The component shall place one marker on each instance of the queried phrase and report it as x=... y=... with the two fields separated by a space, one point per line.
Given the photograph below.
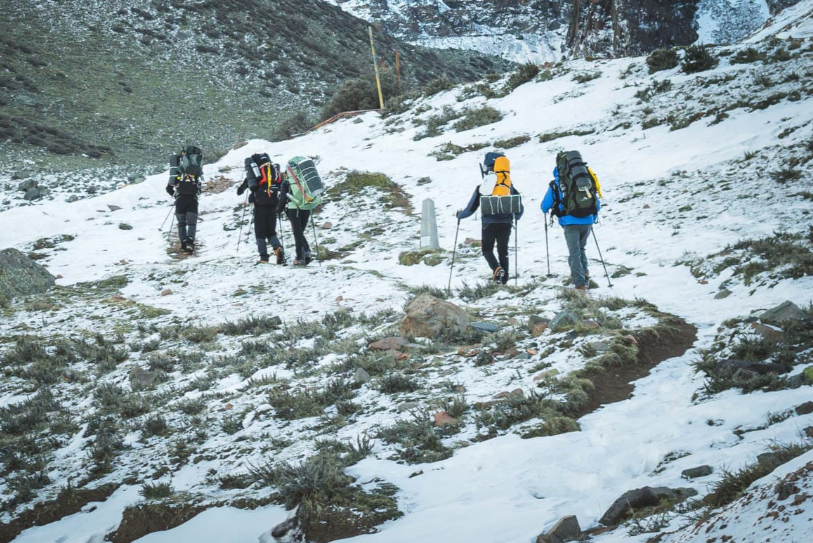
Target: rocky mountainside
x=123 y=81
x=539 y=31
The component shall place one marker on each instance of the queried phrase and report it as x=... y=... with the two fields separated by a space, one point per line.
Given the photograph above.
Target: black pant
x=186 y=211
x=500 y=233
x=299 y=221
x=265 y=227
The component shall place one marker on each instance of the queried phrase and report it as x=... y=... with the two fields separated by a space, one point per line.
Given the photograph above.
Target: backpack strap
x=298 y=184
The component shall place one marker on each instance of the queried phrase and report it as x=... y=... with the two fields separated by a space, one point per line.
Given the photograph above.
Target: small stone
x=725 y=293
x=444 y=419
x=646 y=206
x=282 y=529
x=27 y=185
x=34 y=193
x=539 y=329
x=532 y=352
x=141 y=378
x=545 y=374
x=166 y=292
x=516 y=393
x=361 y=376
x=326 y=225
x=113 y=207
x=769 y=459
x=631 y=340
x=566 y=529
x=468 y=351
x=599 y=346
x=785 y=489
x=228 y=407
x=809 y=432
x=388 y=343
x=513 y=321
x=562 y=319
x=703 y=282
x=484 y=327
x=339 y=298
x=472 y=242
x=591 y=324
x=699 y=471
x=805 y=408
x=59 y=276
x=522 y=356
x=407 y=406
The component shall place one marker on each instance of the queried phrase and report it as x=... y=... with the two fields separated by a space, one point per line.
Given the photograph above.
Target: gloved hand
x=240 y=190
x=170 y=190
x=457 y=214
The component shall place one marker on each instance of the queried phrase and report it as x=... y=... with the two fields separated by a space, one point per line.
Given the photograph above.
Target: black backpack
x=260 y=170
x=190 y=162
x=578 y=187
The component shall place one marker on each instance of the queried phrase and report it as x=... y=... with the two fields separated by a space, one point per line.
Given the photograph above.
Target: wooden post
x=398 y=69
x=375 y=65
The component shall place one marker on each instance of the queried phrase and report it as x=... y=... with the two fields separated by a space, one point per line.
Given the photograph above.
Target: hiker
x=574 y=196
x=496 y=224
x=185 y=178
x=299 y=195
x=264 y=179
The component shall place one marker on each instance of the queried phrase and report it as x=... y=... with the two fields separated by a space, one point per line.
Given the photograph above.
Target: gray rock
x=725 y=293
x=599 y=346
x=567 y=529
x=406 y=406
x=21 y=276
x=426 y=316
x=361 y=376
x=769 y=459
x=141 y=378
x=113 y=207
x=533 y=320
x=20 y=174
x=640 y=498
x=484 y=327
x=699 y=471
x=743 y=376
x=27 y=184
x=563 y=318
x=34 y=193
x=786 y=311
x=728 y=368
x=523 y=356
x=282 y=529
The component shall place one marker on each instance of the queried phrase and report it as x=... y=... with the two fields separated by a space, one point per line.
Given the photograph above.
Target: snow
x=506 y=489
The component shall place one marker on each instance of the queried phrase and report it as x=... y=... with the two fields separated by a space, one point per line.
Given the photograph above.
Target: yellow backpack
x=502 y=168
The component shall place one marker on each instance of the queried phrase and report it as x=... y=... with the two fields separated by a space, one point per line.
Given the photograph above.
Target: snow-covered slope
x=705 y=173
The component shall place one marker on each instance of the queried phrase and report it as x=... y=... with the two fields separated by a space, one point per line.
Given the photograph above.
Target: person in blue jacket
x=577 y=231
x=496 y=228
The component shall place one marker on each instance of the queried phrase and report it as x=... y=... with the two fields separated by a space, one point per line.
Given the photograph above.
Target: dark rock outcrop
x=21 y=276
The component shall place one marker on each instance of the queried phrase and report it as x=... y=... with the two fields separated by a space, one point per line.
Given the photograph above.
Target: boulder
x=141 y=378
x=34 y=193
x=552 y=372
x=599 y=346
x=566 y=529
x=283 y=528
x=786 y=311
x=562 y=319
x=21 y=276
x=27 y=185
x=640 y=498
x=113 y=207
x=426 y=316
x=728 y=368
x=388 y=343
x=361 y=376
x=407 y=406
x=769 y=459
x=699 y=471
x=805 y=408
x=771 y=333
x=725 y=293
x=445 y=419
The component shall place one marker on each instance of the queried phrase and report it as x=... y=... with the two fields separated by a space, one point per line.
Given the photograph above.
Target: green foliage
x=656 y=87
x=156 y=491
x=358 y=182
x=253 y=325
x=510 y=143
x=360 y=94
x=411 y=258
x=437 y=85
x=292 y=405
x=698 y=59
x=476 y=117
x=525 y=73
x=155 y=425
x=586 y=76
x=662 y=59
x=747 y=56
x=420 y=443
x=292 y=125
x=550 y=136
x=394 y=383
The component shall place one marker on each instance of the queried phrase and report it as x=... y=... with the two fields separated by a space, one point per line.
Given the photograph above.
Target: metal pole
x=547 y=249
x=454 y=252
x=516 y=253
x=242 y=218
x=315 y=239
x=601 y=257
x=165 y=218
x=281 y=236
x=375 y=65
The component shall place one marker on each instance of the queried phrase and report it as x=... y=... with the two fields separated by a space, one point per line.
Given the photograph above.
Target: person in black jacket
x=185 y=179
x=263 y=179
x=496 y=227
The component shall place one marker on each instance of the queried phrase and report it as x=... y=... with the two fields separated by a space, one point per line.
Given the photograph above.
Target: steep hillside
x=159 y=398
x=92 y=83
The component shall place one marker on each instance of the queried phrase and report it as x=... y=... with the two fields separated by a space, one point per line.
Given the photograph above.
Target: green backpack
x=578 y=186
x=304 y=184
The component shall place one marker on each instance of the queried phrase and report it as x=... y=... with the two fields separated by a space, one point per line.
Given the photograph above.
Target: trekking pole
x=242 y=218
x=601 y=257
x=547 y=249
x=165 y=218
x=315 y=240
x=281 y=234
x=516 y=253
x=454 y=252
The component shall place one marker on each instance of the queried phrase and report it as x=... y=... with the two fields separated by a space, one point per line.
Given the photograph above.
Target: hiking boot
x=183 y=245
x=280 y=255
x=298 y=262
x=499 y=275
x=582 y=288
x=263 y=261
x=308 y=260
x=190 y=246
